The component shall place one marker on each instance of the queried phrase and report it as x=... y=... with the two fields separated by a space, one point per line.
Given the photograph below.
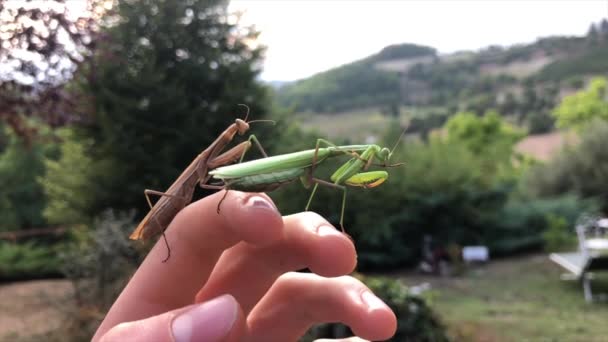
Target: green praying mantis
x=270 y=173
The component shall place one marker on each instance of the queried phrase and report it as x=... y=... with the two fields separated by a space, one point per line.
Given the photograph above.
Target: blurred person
x=231 y=277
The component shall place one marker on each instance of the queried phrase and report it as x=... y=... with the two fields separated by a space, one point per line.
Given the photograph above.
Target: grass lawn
x=517 y=299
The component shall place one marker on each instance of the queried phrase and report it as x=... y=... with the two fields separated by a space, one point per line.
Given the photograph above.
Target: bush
x=416 y=321
x=21 y=197
x=559 y=235
x=98 y=262
x=580 y=109
x=68 y=182
x=28 y=260
x=581 y=170
x=446 y=190
x=520 y=225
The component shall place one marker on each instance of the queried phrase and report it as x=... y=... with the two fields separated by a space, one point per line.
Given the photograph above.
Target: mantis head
x=242 y=126
x=384 y=154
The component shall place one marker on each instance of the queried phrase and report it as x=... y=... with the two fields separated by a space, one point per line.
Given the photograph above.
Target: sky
x=309 y=36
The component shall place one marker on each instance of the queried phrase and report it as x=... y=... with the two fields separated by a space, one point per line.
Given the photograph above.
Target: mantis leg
x=331 y=185
x=217 y=187
x=315 y=155
x=147 y=193
x=227 y=157
x=257 y=144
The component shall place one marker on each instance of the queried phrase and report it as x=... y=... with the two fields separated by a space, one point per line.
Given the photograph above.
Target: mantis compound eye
x=384 y=154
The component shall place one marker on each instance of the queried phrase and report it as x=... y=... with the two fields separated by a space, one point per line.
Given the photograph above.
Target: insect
x=181 y=191
x=273 y=172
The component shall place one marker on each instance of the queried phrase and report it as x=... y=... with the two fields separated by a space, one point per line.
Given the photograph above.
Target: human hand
x=231 y=277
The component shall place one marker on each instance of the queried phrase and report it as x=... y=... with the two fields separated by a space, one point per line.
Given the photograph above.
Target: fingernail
x=372 y=301
x=259 y=202
x=326 y=230
x=210 y=321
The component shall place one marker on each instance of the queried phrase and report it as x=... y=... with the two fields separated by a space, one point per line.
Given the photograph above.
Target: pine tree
x=167 y=80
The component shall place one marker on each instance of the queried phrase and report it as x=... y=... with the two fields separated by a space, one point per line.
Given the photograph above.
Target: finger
x=350 y=339
x=308 y=241
x=297 y=301
x=219 y=319
x=197 y=236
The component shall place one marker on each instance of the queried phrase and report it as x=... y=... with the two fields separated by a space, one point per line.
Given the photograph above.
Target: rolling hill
x=522 y=82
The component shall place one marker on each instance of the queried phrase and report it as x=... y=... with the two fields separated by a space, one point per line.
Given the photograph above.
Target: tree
x=164 y=83
x=42 y=45
x=579 y=109
x=592 y=34
x=489 y=137
x=603 y=27
x=67 y=181
x=22 y=199
x=480 y=134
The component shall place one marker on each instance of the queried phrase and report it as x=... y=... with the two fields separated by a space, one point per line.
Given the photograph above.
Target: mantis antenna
x=252 y=121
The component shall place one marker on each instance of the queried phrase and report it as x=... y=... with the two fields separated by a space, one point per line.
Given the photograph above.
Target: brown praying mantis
x=180 y=193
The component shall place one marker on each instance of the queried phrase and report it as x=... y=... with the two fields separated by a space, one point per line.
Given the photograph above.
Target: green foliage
x=520 y=224
x=416 y=321
x=539 y=123
x=444 y=190
x=424 y=124
x=69 y=181
x=22 y=199
x=559 y=235
x=489 y=137
x=581 y=108
x=28 y=260
x=98 y=261
x=167 y=80
x=354 y=85
x=589 y=62
x=401 y=51
x=582 y=169
x=440 y=191
x=480 y=134
x=472 y=81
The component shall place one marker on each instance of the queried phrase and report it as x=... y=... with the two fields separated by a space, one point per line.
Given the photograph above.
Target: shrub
x=21 y=197
x=580 y=109
x=28 y=260
x=581 y=170
x=98 y=262
x=68 y=181
x=559 y=235
x=416 y=321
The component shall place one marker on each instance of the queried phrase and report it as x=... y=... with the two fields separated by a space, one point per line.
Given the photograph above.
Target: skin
x=251 y=252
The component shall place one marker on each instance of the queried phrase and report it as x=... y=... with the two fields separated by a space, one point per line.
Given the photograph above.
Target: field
x=517 y=299
x=364 y=125
x=29 y=309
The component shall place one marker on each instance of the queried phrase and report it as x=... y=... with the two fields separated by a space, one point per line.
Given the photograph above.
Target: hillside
x=523 y=82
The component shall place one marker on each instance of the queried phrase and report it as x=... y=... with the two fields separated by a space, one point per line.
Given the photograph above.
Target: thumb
x=217 y=320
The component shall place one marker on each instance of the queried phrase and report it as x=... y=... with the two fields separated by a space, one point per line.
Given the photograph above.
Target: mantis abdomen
x=265 y=181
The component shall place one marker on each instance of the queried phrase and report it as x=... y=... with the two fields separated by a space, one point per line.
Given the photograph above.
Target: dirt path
x=32 y=307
